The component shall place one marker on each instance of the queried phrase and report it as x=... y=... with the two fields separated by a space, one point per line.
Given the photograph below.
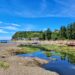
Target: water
x=63 y=65
x=39 y=54
x=4 y=41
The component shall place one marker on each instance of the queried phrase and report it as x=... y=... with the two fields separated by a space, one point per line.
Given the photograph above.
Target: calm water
x=62 y=65
x=6 y=41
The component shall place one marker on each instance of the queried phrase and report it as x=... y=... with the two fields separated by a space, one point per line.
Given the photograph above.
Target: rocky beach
x=15 y=65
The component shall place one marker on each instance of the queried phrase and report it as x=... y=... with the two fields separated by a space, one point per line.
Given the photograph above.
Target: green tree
x=55 y=35
x=63 y=33
x=48 y=34
x=69 y=31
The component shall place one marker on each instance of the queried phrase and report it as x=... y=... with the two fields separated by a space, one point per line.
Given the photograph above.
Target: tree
x=48 y=34
x=55 y=35
x=63 y=32
x=69 y=31
x=73 y=31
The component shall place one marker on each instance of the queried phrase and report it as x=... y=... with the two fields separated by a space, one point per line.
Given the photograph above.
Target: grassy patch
x=27 y=50
x=50 y=47
x=47 y=48
x=4 y=65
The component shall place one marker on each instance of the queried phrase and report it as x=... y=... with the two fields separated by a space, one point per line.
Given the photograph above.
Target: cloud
x=65 y=8
x=2 y=31
x=17 y=25
x=10 y=28
x=39 y=8
x=12 y=24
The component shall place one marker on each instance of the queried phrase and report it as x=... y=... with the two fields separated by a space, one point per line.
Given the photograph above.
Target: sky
x=34 y=15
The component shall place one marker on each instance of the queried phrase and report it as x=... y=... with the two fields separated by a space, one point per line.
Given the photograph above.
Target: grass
x=46 y=49
x=50 y=47
x=33 y=48
x=27 y=49
x=4 y=65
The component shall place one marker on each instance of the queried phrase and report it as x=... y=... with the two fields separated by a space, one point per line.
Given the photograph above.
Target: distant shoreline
x=55 y=42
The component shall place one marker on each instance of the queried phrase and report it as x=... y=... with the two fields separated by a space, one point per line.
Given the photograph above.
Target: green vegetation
x=33 y=48
x=47 y=49
x=28 y=35
x=26 y=49
x=4 y=65
x=63 y=33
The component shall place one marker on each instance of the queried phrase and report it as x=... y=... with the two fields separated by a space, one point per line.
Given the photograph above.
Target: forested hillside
x=67 y=32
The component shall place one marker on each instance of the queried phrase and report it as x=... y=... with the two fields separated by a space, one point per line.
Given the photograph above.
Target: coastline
x=19 y=65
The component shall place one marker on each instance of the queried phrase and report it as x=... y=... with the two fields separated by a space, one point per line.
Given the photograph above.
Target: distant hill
x=28 y=35
x=63 y=33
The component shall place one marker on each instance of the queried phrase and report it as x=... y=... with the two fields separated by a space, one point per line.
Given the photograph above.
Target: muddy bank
x=25 y=66
x=20 y=65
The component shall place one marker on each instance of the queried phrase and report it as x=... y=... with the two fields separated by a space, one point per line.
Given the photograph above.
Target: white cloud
x=15 y=25
x=10 y=28
x=2 y=31
x=10 y=24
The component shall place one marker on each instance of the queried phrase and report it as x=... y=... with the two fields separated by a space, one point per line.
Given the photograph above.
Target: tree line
x=65 y=32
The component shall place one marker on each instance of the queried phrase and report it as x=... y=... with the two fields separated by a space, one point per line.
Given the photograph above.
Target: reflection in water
x=64 y=63
x=60 y=62
x=63 y=56
x=69 y=57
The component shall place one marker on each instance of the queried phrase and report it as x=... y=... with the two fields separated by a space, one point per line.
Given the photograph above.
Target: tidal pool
x=64 y=64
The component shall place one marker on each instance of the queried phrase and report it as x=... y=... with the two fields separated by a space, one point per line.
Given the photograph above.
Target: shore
x=14 y=65
x=49 y=42
x=24 y=66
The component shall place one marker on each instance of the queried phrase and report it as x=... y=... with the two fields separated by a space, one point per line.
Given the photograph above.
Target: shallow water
x=39 y=54
x=56 y=63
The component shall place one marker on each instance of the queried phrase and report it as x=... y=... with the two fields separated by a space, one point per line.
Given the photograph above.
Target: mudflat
x=19 y=65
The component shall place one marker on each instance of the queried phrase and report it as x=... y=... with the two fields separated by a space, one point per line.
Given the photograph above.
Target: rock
x=40 y=61
x=26 y=66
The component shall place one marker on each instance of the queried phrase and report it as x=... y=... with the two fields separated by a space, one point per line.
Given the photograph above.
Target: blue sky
x=26 y=15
